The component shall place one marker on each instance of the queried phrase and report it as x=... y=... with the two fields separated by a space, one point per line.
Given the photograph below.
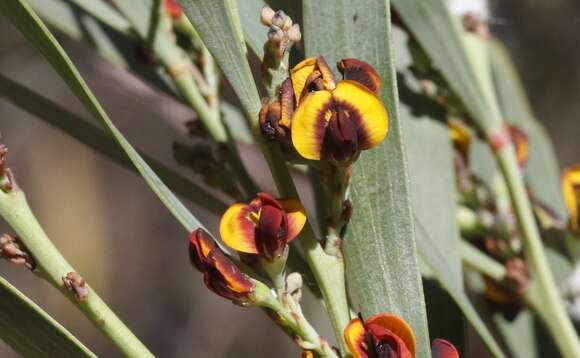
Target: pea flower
x=388 y=336
x=220 y=274
x=336 y=120
x=264 y=226
x=571 y=190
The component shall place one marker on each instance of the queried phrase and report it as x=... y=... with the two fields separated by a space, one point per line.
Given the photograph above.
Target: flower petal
x=571 y=190
x=366 y=109
x=286 y=96
x=394 y=324
x=309 y=124
x=441 y=348
x=361 y=72
x=237 y=230
x=303 y=70
x=220 y=274
x=354 y=335
x=296 y=217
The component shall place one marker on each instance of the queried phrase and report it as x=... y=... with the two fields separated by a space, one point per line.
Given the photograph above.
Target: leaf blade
x=30 y=331
x=30 y=25
x=381 y=230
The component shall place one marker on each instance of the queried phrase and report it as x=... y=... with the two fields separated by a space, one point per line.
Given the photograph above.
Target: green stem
x=328 y=269
x=550 y=303
x=52 y=266
x=480 y=262
x=296 y=323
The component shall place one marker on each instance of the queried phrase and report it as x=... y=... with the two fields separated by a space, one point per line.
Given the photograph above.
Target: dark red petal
x=441 y=348
x=361 y=72
x=271 y=231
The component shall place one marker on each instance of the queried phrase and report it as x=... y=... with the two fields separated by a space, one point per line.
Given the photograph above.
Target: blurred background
x=129 y=248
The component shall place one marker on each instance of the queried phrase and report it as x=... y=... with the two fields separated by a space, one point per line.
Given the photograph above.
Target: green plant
x=417 y=174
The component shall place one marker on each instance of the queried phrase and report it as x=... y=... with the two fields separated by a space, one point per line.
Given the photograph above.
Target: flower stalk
x=550 y=303
x=53 y=267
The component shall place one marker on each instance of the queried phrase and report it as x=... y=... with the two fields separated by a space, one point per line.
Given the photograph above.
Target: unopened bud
x=266 y=15
x=294 y=33
x=275 y=34
x=280 y=18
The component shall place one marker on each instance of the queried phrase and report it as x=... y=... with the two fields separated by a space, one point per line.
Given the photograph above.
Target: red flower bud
x=220 y=274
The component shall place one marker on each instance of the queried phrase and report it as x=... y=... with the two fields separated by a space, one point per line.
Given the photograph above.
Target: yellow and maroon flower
x=571 y=189
x=335 y=121
x=387 y=335
x=264 y=226
x=220 y=274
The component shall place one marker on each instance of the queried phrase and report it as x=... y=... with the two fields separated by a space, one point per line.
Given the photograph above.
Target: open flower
x=571 y=189
x=388 y=336
x=264 y=226
x=335 y=121
x=220 y=274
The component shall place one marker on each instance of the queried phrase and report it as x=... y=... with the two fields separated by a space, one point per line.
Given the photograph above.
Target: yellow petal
x=372 y=118
x=237 y=229
x=300 y=73
x=296 y=215
x=354 y=335
x=309 y=124
x=571 y=190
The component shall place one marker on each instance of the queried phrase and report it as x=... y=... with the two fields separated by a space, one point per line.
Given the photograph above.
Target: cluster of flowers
x=325 y=119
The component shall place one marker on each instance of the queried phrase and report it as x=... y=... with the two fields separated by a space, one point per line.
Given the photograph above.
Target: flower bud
x=266 y=15
x=220 y=274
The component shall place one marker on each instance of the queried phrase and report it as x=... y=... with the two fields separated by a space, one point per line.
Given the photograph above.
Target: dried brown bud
x=12 y=251
x=77 y=285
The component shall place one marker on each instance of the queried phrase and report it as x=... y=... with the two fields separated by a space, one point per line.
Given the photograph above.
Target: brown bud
x=77 y=285
x=12 y=251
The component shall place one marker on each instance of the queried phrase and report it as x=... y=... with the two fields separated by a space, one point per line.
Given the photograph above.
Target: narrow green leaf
x=381 y=231
x=436 y=260
x=254 y=31
x=431 y=175
x=30 y=331
x=24 y=18
x=542 y=171
x=97 y=139
x=214 y=21
x=441 y=37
